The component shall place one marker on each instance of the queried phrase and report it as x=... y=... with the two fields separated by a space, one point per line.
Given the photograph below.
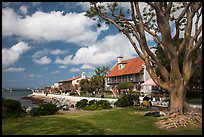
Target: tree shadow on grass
x=52 y=126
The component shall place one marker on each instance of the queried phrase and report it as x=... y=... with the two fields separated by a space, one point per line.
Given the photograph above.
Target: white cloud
x=105 y=51
x=11 y=69
x=24 y=9
x=63 y=67
x=42 y=60
x=40 y=56
x=65 y=61
x=44 y=52
x=55 y=72
x=74 y=70
x=102 y=52
x=86 y=66
x=40 y=53
x=36 y=76
x=53 y=26
x=11 y=55
x=58 y=52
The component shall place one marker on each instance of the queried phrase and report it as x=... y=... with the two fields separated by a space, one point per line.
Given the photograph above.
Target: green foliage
x=97 y=81
x=44 y=109
x=81 y=104
x=126 y=100
x=73 y=93
x=101 y=71
x=125 y=85
x=12 y=108
x=85 y=85
x=106 y=91
x=93 y=104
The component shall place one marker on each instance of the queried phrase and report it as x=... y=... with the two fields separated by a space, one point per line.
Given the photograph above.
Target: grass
x=115 y=121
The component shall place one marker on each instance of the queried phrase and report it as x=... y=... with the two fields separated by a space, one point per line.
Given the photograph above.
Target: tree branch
x=199 y=58
x=198 y=44
x=168 y=10
x=183 y=12
x=154 y=76
x=120 y=28
x=154 y=6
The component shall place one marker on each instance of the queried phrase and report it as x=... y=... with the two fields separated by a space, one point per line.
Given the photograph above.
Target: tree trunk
x=177 y=98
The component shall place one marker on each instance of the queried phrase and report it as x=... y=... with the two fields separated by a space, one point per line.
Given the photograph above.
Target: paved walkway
x=74 y=98
x=196 y=106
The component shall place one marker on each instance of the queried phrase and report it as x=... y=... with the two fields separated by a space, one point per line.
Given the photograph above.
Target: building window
x=120 y=66
x=155 y=88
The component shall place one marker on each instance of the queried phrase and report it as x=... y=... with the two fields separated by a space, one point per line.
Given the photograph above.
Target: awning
x=149 y=82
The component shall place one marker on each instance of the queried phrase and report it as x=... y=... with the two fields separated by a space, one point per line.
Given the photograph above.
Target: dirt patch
x=190 y=119
x=72 y=110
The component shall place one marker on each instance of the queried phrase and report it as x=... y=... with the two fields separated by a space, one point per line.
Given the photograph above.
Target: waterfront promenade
x=73 y=99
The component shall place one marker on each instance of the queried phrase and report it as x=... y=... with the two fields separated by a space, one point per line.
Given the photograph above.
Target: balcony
x=120 y=79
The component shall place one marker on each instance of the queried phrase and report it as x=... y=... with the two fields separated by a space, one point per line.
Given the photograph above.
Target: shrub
x=73 y=93
x=81 y=104
x=44 y=109
x=91 y=102
x=126 y=100
x=104 y=104
x=97 y=105
x=12 y=108
x=91 y=107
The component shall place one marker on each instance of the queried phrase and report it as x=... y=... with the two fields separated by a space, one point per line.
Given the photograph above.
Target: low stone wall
x=61 y=100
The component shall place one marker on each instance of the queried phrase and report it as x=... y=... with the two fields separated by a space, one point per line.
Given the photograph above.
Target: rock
x=161 y=113
x=28 y=109
x=72 y=106
x=152 y=114
x=65 y=108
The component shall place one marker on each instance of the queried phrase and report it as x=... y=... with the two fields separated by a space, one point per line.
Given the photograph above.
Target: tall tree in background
x=98 y=80
x=156 y=22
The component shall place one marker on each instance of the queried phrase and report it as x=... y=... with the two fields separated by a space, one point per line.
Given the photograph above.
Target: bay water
x=17 y=95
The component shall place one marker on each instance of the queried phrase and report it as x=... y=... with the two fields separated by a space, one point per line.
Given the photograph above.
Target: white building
x=72 y=84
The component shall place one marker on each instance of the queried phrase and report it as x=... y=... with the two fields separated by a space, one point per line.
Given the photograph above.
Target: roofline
x=123 y=74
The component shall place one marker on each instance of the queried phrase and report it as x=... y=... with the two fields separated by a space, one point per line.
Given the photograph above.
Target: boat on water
x=11 y=90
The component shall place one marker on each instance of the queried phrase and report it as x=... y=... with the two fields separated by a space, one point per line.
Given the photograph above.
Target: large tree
x=195 y=83
x=156 y=22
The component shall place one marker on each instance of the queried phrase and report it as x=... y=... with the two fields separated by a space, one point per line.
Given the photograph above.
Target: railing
x=120 y=80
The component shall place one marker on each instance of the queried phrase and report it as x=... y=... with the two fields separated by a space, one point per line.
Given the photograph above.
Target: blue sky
x=44 y=42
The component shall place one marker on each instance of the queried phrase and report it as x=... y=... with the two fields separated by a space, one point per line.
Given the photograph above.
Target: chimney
x=120 y=59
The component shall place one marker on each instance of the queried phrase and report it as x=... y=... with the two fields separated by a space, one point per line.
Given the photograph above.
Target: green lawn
x=115 y=121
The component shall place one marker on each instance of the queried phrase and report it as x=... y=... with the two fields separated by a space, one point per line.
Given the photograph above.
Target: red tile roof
x=132 y=66
x=70 y=79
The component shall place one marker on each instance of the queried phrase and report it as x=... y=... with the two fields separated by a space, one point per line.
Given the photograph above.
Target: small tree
x=85 y=85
